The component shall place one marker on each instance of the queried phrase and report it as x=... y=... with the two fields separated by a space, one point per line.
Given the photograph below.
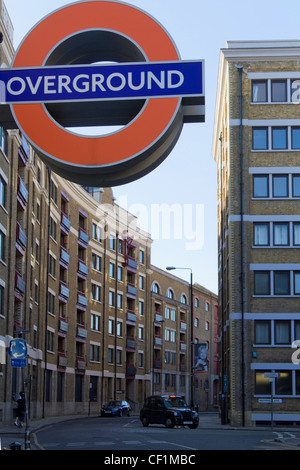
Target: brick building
x=76 y=282
x=257 y=149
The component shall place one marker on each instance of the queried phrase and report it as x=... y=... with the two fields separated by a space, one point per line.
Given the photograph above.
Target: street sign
x=18 y=348
x=272 y=375
x=18 y=362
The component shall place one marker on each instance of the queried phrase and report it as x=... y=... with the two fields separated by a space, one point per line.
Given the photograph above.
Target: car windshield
x=113 y=403
x=175 y=402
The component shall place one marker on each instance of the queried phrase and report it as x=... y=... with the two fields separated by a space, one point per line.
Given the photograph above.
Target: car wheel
x=169 y=423
x=193 y=426
x=145 y=422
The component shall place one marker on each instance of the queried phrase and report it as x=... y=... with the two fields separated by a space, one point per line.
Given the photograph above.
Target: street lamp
x=171 y=268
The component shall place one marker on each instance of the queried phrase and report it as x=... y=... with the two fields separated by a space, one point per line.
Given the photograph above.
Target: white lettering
x=34 y=88
x=16 y=92
x=136 y=87
x=97 y=80
x=179 y=83
x=48 y=82
x=115 y=88
x=63 y=82
x=160 y=83
x=85 y=85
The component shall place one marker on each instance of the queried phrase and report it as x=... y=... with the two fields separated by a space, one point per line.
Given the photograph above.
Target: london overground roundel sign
x=102 y=63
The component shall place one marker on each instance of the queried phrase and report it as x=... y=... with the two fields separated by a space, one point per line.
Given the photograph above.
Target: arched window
x=183 y=299
x=170 y=294
x=155 y=288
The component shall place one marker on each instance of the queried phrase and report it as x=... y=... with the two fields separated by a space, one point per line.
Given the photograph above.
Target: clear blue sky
x=186 y=181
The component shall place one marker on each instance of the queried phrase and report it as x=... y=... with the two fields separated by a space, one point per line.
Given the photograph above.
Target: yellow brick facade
x=244 y=309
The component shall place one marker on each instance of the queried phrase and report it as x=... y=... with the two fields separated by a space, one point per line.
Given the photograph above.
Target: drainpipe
x=240 y=70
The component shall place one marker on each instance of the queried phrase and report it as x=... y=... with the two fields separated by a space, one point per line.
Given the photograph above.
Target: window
x=111 y=299
x=296 y=233
x=94 y=353
x=170 y=294
x=110 y=327
x=297 y=283
x=282 y=332
x=261 y=234
x=119 y=300
x=167 y=313
x=279 y=91
x=3 y=189
x=95 y=322
x=260 y=138
x=259 y=91
x=173 y=314
x=142 y=257
x=279 y=138
x=141 y=307
x=183 y=299
x=262 y=283
x=96 y=262
x=283 y=384
x=120 y=273
x=96 y=292
x=261 y=186
x=296 y=185
x=52 y=228
x=262 y=384
x=96 y=232
x=281 y=282
x=281 y=234
x=141 y=333
x=51 y=300
x=295 y=137
x=262 y=332
x=280 y=186
x=2 y=246
x=111 y=270
x=155 y=288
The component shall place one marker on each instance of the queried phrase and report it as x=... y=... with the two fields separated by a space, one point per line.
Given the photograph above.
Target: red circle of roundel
x=73 y=153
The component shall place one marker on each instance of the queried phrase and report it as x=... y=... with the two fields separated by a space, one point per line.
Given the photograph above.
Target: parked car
x=116 y=408
x=169 y=410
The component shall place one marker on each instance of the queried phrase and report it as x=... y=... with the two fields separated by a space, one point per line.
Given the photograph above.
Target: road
x=127 y=433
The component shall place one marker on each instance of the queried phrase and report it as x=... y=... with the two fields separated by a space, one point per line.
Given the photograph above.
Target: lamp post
x=171 y=268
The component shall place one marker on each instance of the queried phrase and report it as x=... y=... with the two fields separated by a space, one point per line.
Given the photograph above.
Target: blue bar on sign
x=102 y=82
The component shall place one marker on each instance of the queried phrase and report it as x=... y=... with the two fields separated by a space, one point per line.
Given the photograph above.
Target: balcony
x=81 y=332
x=63 y=326
x=64 y=258
x=80 y=364
x=131 y=316
x=82 y=301
x=183 y=325
x=158 y=317
x=131 y=264
x=82 y=270
x=182 y=346
x=182 y=367
x=21 y=238
x=20 y=286
x=22 y=193
x=130 y=371
x=65 y=223
x=64 y=292
x=157 y=340
x=83 y=238
x=157 y=364
x=131 y=291
x=130 y=344
x=62 y=360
